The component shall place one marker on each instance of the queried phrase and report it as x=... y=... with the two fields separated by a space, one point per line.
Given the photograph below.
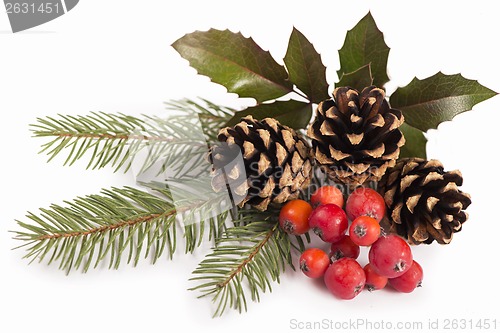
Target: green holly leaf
x=291 y=113
x=359 y=79
x=236 y=62
x=415 y=145
x=427 y=103
x=305 y=68
x=364 y=44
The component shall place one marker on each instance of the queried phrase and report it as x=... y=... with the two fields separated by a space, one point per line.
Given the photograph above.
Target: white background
x=115 y=56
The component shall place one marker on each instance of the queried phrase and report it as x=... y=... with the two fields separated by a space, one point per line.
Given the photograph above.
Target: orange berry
x=313 y=262
x=294 y=217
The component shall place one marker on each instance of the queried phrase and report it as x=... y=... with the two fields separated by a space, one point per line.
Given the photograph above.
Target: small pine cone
x=355 y=136
x=262 y=162
x=424 y=202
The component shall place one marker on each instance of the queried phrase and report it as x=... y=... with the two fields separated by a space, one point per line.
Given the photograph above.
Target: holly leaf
x=427 y=103
x=291 y=113
x=359 y=79
x=364 y=44
x=236 y=62
x=416 y=142
x=305 y=68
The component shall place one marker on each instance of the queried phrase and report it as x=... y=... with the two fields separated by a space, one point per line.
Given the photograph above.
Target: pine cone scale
x=297 y=162
x=336 y=154
x=375 y=122
x=375 y=152
x=431 y=203
x=265 y=138
x=380 y=171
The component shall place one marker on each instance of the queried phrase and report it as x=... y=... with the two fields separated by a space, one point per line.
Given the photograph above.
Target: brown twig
x=128 y=223
x=105 y=228
x=111 y=136
x=245 y=262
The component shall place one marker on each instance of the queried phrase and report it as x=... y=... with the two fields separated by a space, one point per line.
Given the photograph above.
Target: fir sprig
x=116 y=139
x=247 y=259
x=91 y=229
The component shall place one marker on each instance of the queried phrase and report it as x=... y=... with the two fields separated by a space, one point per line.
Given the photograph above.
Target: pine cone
x=424 y=202
x=261 y=162
x=355 y=136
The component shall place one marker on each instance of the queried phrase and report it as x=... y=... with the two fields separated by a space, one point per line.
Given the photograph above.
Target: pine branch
x=113 y=223
x=247 y=258
x=117 y=139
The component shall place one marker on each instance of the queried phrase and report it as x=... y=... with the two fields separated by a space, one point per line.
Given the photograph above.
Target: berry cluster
x=390 y=257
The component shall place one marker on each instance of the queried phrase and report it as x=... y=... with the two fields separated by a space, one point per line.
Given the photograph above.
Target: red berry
x=410 y=280
x=327 y=195
x=374 y=281
x=390 y=256
x=294 y=216
x=345 y=247
x=364 y=230
x=345 y=278
x=314 y=262
x=329 y=222
x=365 y=201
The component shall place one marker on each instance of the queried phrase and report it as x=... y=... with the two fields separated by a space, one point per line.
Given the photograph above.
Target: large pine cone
x=261 y=162
x=424 y=202
x=356 y=136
